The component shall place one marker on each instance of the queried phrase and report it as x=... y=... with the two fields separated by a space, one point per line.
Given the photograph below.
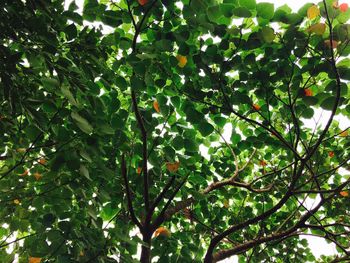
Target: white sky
x=317 y=245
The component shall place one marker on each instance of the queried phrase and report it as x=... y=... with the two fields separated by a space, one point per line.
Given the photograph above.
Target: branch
x=222 y=254
x=16 y=240
x=144 y=151
x=232 y=182
x=128 y=195
x=249 y=161
x=159 y=198
x=161 y=217
x=37 y=138
x=337 y=97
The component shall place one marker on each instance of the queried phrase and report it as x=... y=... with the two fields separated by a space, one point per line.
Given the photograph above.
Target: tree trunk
x=209 y=255
x=208 y=259
x=146 y=250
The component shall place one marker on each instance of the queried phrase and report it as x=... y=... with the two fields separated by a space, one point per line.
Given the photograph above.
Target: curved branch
x=128 y=195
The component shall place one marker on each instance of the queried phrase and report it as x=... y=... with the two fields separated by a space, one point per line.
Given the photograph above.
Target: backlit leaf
x=317 y=29
x=313 y=12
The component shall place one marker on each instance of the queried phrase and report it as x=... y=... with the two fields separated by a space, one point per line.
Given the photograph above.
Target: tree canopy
x=173 y=131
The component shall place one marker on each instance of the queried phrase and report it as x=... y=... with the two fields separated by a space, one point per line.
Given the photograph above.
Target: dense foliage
x=172 y=131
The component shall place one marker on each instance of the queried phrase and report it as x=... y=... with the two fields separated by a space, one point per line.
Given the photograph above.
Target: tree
x=180 y=132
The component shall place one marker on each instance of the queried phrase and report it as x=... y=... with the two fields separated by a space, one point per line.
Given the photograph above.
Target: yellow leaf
x=313 y=12
x=335 y=4
x=317 y=29
x=156 y=106
x=16 y=202
x=172 y=167
x=344 y=193
x=162 y=231
x=182 y=60
x=34 y=260
x=21 y=150
x=226 y=204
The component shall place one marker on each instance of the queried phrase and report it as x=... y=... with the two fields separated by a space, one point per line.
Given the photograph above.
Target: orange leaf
x=143 y=2
x=16 y=202
x=343 y=7
x=172 y=167
x=344 y=193
x=37 y=176
x=317 y=29
x=138 y=170
x=330 y=44
x=331 y=154
x=256 y=107
x=263 y=163
x=313 y=12
x=182 y=61
x=42 y=161
x=344 y=133
x=24 y=173
x=308 y=92
x=156 y=106
x=34 y=260
x=162 y=231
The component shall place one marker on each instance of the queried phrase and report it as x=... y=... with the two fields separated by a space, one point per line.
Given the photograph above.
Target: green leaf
x=307 y=113
x=242 y=12
x=66 y=92
x=111 y=18
x=214 y=13
x=265 y=10
x=50 y=84
x=121 y=83
x=268 y=34
x=227 y=9
x=190 y=145
x=250 y=4
x=344 y=72
x=205 y=128
x=32 y=132
x=328 y=103
x=84 y=172
x=82 y=123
